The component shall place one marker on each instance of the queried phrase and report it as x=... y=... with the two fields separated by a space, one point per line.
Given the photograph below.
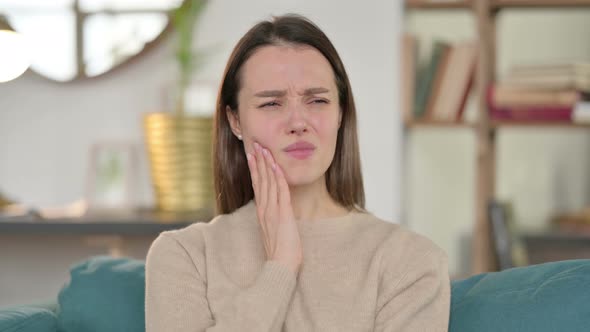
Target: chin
x=295 y=179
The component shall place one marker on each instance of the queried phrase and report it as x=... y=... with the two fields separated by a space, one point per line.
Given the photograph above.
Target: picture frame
x=111 y=180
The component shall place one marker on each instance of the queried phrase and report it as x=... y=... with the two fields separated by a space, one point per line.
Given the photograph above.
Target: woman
x=292 y=248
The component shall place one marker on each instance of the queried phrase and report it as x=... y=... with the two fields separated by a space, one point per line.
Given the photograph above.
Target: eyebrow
x=281 y=93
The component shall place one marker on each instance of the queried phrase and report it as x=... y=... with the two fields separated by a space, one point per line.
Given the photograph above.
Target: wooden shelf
x=67 y=227
x=441 y=124
x=444 y=4
x=499 y=4
x=497 y=124
x=496 y=4
x=564 y=125
x=139 y=223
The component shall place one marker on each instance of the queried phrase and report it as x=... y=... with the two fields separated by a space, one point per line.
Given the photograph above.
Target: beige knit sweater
x=359 y=273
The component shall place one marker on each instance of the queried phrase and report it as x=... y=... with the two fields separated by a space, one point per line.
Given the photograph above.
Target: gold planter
x=179 y=150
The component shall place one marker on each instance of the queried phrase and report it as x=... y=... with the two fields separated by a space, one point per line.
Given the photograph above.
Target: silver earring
x=240 y=137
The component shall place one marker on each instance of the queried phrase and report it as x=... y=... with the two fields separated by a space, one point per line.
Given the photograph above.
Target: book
x=571 y=68
x=457 y=80
x=581 y=113
x=575 y=222
x=408 y=63
x=509 y=247
x=426 y=77
x=541 y=113
x=437 y=83
x=551 y=76
x=501 y=235
x=507 y=96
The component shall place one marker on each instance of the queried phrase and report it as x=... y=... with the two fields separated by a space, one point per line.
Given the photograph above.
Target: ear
x=234 y=121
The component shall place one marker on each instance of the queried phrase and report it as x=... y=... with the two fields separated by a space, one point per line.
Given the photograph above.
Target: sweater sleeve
x=417 y=299
x=176 y=295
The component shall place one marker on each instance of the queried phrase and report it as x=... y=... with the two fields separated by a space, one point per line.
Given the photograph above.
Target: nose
x=298 y=128
x=297 y=124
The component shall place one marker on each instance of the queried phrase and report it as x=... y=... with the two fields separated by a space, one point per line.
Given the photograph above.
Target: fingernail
x=256 y=146
x=274 y=166
x=265 y=151
x=248 y=156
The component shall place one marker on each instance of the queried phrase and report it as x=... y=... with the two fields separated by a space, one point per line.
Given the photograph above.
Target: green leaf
x=184 y=19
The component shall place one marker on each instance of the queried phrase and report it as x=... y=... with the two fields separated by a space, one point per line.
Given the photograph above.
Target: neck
x=312 y=201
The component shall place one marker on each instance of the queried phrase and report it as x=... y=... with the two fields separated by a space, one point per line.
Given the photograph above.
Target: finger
x=262 y=194
x=272 y=203
x=262 y=176
x=253 y=171
x=272 y=184
x=253 y=167
x=284 y=193
x=254 y=176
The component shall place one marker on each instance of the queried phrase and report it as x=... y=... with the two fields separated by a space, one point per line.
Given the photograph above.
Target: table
x=102 y=230
x=553 y=245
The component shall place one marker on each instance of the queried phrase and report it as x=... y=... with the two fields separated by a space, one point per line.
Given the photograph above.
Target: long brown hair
x=233 y=185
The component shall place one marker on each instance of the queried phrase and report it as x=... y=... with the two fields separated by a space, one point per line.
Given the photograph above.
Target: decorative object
x=179 y=148
x=15 y=56
x=179 y=140
x=78 y=39
x=5 y=201
x=112 y=179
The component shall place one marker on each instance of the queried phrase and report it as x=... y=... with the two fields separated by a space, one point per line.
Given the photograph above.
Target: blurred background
x=473 y=124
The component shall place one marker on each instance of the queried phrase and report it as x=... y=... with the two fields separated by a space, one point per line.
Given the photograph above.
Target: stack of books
x=576 y=222
x=542 y=93
x=437 y=90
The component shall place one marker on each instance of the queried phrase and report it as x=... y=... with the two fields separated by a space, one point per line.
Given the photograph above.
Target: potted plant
x=179 y=141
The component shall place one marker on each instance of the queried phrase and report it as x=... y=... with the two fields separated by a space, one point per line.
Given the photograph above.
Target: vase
x=179 y=149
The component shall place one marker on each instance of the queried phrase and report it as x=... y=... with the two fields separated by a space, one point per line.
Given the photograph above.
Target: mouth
x=300 y=149
x=300 y=153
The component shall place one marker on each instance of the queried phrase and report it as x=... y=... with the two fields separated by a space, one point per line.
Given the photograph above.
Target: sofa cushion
x=27 y=319
x=103 y=294
x=546 y=297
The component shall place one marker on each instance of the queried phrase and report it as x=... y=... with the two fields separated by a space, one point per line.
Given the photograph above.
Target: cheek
x=268 y=130
x=326 y=125
x=261 y=130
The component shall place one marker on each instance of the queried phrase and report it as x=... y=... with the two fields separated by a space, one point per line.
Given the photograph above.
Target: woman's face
x=288 y=94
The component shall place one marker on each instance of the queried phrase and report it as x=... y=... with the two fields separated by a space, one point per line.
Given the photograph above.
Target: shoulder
x=191 y=240
x=402 y=239
x=401 y=248
x=410 y=265
x=397 y=238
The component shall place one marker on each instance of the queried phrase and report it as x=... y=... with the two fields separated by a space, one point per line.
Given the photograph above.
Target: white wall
x=46 y=128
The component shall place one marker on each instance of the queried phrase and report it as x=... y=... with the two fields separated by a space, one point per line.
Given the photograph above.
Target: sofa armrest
x=539 y=298
x=28 y=319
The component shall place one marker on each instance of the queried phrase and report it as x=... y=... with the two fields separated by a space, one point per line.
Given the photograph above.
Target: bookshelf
x=432 y=123
x=499 y=4
x=500 y=124
x=484 y=14
x=420 y=4
x=494 y=4
x=496 y=124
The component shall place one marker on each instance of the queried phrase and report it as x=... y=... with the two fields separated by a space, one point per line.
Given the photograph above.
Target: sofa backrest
x=103 y=294
x=107 y=294
x=546 y=297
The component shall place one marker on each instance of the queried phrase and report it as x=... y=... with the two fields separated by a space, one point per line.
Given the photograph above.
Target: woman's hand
x=273 y=207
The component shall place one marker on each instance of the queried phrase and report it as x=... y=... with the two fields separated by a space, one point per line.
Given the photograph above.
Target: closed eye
x=269 y=104
x=274 y=103
x=320 y=101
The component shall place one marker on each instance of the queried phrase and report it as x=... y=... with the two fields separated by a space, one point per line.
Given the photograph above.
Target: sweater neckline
x=317 y=226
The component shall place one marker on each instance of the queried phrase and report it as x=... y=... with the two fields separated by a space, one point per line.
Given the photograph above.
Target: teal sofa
x=107 y=294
